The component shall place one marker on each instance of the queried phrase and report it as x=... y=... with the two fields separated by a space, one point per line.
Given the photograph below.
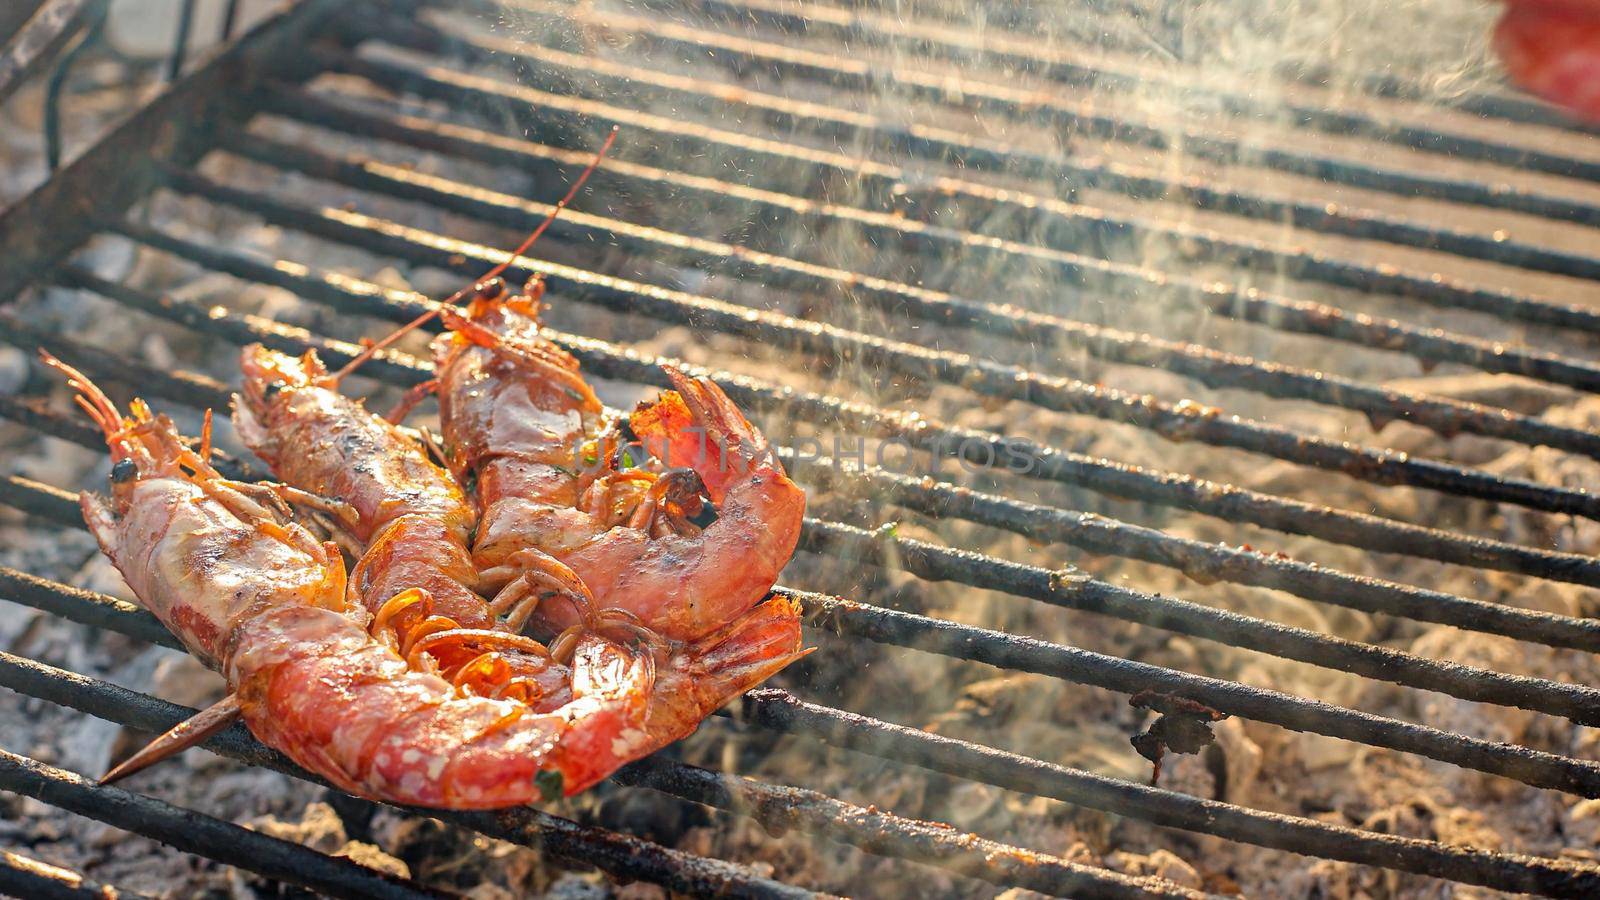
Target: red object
x=1551 y=48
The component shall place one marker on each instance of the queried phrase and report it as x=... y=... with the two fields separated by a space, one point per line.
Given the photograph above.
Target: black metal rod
x=1177 y=422
x=58 y=79
x=76 y=604
x=15 y=15
x=39 y=499
x=41 y=37
x=36 y=414
x=1138 y=183
x=119 y=168
x=1201 y=561
x=180 y=40
x=1024 y=654
x=191 y=388
x=1533 y=767
x=779 y=711
x=556 y=118
x=230 y=18
x=1074 y=590
x=200 y=834
x=886 y=834
x=1210 y=367
x=1012 y=51
x=598 y=78
x=1014 y=48
x=396 y=368
x=33 y=880
x=788 y=213
x=359 y=297
x=950 y=87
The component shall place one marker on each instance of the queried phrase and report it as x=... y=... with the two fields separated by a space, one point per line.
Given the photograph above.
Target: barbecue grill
x=760 y=111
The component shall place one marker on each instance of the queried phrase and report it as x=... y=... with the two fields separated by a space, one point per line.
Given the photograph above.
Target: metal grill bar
x=1081 y=65
x=34 y=880
x=780 y=711
x=15 y=15
x=1171 y=489
x=190 y=388
x=1172 y=421
x=1068 y=589
x=194 y=832
x=1074 y=590
x=1201 y=561
x=777 y=710
x=557 y=69
x=1212 y=147
x=949 y=87
x=1210 y=367
x=177 y=125
x=786 y=212
x=886 y=834
x=544 y=111
x=1532 y=767
x=1492 y=103
x=68 y=602
x=557 y=114
x=42 y=34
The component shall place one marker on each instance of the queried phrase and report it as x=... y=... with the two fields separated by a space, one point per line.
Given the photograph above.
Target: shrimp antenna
x=88 y=395
x=495 y=272
x=205 y=438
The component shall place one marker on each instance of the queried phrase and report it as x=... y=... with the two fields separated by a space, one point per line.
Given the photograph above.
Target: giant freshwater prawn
x=409 y=678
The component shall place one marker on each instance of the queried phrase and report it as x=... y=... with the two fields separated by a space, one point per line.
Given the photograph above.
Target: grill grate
x=562 y=97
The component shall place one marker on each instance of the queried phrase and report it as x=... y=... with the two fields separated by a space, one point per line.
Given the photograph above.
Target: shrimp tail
x=708 y=673
x=751 y=649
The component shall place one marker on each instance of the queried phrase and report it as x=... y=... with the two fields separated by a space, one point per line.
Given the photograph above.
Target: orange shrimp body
x=1552 y=48
x=534 y=446
x=411 y=521
x=253 y=594
x=347 y=707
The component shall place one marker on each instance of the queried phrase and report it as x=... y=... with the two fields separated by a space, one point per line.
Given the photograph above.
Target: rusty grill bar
x=208 y=112
x=24 y=877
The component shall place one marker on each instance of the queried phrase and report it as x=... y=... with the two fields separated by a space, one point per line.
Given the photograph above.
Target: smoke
x=847 y=156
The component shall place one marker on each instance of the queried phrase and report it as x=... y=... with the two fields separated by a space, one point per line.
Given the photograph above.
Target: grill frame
x=164 y=142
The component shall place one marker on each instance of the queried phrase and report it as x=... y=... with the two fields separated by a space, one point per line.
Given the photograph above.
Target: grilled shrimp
x=534 y=448
x=411 y=520
x=253 y=594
